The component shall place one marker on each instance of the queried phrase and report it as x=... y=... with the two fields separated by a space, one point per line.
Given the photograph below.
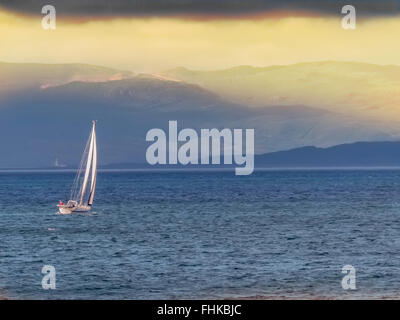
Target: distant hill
x=356 y=88
x=359 y=154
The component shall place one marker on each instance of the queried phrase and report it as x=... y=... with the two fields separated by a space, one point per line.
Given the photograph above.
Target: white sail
x=88 y=167
x=79 y=202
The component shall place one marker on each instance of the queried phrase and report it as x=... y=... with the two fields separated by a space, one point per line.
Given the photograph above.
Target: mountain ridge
x=37 y=76
x=40 y=125
x=355 y=88
x=360 y=153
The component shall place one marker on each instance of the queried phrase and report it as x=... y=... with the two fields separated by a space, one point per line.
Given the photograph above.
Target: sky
x=157 y=35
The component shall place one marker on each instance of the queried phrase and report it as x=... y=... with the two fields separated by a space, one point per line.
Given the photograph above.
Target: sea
x=203 y=234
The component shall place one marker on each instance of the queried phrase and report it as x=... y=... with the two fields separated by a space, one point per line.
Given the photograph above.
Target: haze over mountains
x=45 y=113
x=359 y=89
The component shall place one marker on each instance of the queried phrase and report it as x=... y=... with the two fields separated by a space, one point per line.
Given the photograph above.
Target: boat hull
x=69 y=210
x=63 y=210
x=82 y=209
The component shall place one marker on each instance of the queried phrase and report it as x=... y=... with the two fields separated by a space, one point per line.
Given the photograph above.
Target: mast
x=88 y=163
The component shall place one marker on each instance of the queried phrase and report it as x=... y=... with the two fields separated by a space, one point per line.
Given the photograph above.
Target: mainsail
x=88 y=166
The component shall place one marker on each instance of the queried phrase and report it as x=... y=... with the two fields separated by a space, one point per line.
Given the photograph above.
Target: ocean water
x=203 y=234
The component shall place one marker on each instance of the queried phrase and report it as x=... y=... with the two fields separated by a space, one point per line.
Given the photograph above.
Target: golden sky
x=157 y=44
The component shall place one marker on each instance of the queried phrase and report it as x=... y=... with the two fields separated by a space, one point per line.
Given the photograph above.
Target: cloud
x=192 y=8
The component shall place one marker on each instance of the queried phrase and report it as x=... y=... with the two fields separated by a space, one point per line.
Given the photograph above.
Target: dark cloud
x=198 y=7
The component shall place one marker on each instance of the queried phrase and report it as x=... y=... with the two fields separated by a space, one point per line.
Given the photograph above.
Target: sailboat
x=82 y=193
x=58 y=164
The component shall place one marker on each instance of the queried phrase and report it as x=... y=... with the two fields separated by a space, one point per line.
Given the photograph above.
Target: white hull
x=65 y=210
x=83 y=209
x=62 y=210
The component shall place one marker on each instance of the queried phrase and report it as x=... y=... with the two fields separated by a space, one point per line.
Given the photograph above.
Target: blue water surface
x=203 y=234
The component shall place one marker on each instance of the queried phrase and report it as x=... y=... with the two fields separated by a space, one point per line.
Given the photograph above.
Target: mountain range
x=359 y=89
x=45 y=113
x=358 y=154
